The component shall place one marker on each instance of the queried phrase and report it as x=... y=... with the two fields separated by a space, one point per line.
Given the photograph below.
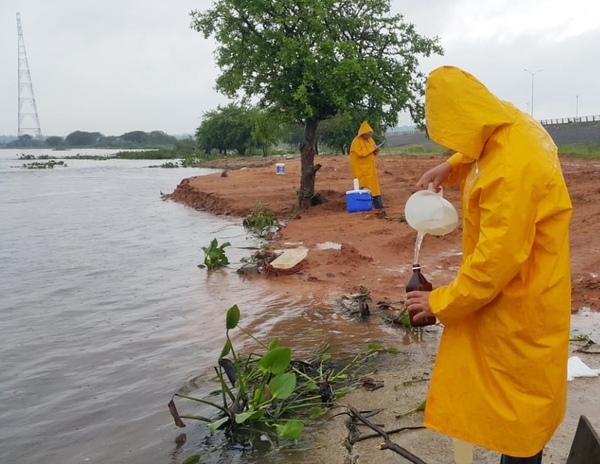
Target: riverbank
x=374 y=251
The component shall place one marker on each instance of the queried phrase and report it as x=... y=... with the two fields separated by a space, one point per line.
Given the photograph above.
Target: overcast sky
x=118 y=66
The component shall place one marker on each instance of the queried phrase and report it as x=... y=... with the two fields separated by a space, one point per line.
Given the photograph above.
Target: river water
x=104 y=313
x=103 y=310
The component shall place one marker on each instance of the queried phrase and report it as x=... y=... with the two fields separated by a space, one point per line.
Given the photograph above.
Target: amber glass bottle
x=419 y=282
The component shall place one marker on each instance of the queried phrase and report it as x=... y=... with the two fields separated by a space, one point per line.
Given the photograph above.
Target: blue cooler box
x=359 y=200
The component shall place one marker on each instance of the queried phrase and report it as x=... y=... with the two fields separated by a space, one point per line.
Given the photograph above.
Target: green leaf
x=393 y=350
x=276 y=361
x=315 y=413
x=226 y=349
x=233 y=317
x=282 y=386
x=291 y=430
x=274 y=344
x=215 y=425
x=248 y=415
x=195 y=459
x=374 y=346
x=311 y=386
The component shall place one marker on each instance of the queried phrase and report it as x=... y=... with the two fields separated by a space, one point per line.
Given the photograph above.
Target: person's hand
x=376 y=152
x=435 y=176
x=417 y=303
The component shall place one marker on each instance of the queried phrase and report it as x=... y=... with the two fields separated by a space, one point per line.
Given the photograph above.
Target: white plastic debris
x=577 y=368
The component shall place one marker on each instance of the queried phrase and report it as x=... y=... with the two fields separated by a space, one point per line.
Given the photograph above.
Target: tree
x=83 y=139
x=54 y=141
x=266 y=130
x=185 y=146
x=226 y=128
x=137 y=137
x=313 y=59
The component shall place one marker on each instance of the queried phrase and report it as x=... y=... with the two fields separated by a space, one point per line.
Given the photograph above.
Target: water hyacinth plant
x=270 y=396
x=214 y=254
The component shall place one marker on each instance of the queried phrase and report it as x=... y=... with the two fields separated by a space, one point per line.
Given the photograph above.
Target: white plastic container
x=280 y=168
x=429 y=213
x=289 y=258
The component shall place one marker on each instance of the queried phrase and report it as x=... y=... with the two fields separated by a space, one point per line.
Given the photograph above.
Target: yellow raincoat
x=500 y=377
x=362 y=160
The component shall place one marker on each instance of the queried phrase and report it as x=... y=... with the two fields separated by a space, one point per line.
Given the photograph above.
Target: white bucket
x=430 y=213
x=280 y=168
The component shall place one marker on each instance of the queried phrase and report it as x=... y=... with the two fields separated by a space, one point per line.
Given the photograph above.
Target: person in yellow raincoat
x=363 y=151
x=500 y=376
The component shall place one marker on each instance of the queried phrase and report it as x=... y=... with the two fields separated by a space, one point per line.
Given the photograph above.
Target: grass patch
x=414 y=150
x=586 y=150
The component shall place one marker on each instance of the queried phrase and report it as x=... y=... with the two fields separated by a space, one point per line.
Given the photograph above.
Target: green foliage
x=420 y=407
x=311 y=60
x=338 y=132
x=162 y=153
x=271 y=394
x=587 y=150
x=317 y=58
x=214 y=254
x=237 y=128
x=82 y=139
x=414 y=150
x=186 y=147
x=44 y=165
x=54 y=141
x=169 y=165
x=139 y=137
x=261 y=221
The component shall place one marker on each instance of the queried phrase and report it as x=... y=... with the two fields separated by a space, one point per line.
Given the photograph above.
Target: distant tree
x=54 y=141
x=226 y=128
x=137 y=137
x=160 y=138
x=83 y=139
x=293 y=135
x=266 y=130
x=25 y=140
x=338 y=132
x=185 y=146
x=314 y=59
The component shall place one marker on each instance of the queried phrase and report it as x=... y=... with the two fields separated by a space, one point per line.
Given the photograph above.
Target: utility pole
x=576 y=106
x=533 y=73
x=29 y=122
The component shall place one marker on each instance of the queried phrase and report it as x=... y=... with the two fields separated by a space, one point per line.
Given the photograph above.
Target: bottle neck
x=416 y=267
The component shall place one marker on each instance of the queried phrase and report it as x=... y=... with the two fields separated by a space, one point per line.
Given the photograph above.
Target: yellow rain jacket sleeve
x=500 y=377
x=362 y=160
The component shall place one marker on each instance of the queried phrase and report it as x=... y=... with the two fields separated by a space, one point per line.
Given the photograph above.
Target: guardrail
x=549 y=122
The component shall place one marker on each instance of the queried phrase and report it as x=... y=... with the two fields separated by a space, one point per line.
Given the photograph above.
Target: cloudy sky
x=117 y=66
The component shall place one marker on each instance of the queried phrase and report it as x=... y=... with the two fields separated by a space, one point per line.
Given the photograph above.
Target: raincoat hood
x=461 y=113
x=364 y=128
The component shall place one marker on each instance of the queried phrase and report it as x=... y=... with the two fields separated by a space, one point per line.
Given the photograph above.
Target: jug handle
x=440 y=193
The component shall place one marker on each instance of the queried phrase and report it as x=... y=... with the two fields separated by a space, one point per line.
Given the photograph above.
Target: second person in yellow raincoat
x=363 y=151
x=500 y=376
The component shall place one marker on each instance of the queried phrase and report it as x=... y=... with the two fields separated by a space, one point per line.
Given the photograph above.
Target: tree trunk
x=309 y=169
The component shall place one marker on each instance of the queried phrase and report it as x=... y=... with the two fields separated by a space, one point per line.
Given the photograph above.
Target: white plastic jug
x=430 y=213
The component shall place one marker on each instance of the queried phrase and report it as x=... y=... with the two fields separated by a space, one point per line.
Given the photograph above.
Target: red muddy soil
x=376 y=247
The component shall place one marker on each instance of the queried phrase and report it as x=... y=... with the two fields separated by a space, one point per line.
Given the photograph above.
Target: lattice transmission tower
x=29 y=122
